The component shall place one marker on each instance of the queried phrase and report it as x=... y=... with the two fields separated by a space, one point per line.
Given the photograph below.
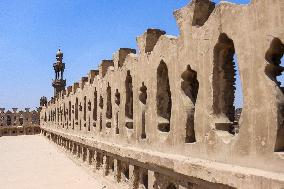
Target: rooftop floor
x=30 y=162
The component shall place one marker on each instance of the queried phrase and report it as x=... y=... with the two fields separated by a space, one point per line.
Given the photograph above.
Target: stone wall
x=167 y=112
x=13 y=123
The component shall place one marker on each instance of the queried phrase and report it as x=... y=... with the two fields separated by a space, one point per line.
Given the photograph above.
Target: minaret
x=59 y=83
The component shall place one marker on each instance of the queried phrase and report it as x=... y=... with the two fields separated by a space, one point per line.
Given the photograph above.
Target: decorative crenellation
x=169 y=109
x=19 y=118
x=19 y=122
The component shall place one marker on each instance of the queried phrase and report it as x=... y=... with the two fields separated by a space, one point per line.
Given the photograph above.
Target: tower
x=59 y=83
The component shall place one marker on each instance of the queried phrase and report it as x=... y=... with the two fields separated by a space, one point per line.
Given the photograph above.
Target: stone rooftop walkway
x=32 y=162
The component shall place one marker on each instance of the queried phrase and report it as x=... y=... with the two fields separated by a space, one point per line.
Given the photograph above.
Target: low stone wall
x=122 y=164
x=19 y=130
x=137 y=168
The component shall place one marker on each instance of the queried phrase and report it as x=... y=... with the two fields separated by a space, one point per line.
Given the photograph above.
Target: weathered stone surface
x=19 y=122
x=169 y=109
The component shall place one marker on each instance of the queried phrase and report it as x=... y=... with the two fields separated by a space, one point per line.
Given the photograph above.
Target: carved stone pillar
x=90 y=156
x=117 y=170
x=94 y=160
x=133 y=177
x=105 y=165
x=151 y=179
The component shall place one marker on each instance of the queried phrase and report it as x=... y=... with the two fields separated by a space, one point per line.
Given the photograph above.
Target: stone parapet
x=21 y=118
x=171 y=106
x=19 y=130
x=176 y=168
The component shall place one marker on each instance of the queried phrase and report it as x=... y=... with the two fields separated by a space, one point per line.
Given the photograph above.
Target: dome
x=59 y=53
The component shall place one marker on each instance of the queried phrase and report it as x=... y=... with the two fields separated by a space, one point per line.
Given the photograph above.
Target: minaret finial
x=59 y=83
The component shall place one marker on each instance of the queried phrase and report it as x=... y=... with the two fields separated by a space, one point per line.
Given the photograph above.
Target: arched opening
x=85 y=108
x=274 y=56
x=238 y=103
x=117 y=97
x=9 y=120
x=15 y=120
x=101 y=122
x=76 y=108
x=143 y=100
x=109 y=107
x=51 y=115
x=112 y=165
x=163 y=98
x=34 y=118
x=64 y=112
x=1 y=120
x=190 y=86
x=129 y=101
x=101 y=103
x=145 y=180
x=21 y=119
x=89 y=105
x=95 y=110
x=281 y=77
x=99 y=160
x=89 y=124
x=69 y=111
x=117 y=102
x=61 y=115
x=225 y=76
x=125 y=170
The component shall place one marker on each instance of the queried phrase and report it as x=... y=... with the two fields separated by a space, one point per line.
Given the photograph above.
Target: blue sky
x=87 y=31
